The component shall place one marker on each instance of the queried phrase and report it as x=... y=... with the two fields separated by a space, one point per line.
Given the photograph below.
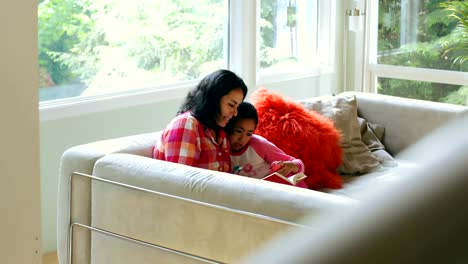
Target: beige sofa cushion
x=372 y=135
x=342 y=110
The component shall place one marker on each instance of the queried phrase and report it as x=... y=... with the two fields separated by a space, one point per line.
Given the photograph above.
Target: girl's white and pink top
x=255 y=158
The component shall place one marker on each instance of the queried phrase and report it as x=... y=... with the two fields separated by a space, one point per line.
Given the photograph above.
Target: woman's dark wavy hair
x=204 y=100
x=245 y=110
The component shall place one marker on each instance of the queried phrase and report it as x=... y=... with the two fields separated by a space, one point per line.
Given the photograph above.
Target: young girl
x=253 y=155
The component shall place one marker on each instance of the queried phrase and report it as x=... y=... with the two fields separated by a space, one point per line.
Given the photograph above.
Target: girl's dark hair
x=204 y=100
x=245 y=110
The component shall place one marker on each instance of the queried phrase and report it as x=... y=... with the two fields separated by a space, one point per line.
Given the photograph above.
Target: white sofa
x=126 y=207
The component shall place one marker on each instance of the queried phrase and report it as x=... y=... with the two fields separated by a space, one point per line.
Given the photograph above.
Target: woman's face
x=228 y=106
x=241 y=133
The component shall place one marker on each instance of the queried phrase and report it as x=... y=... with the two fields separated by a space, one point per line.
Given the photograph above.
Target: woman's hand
x=284 y=167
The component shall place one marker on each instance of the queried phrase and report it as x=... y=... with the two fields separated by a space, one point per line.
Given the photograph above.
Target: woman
x=196 y=135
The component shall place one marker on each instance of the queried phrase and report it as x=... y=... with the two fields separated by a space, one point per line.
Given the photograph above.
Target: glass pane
x=89 y=47
x=288 y=31
x=437 y=92
x=424 y=34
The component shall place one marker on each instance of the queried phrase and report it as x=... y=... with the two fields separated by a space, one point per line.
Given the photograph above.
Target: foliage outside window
x=424 y=34
x=89 y=47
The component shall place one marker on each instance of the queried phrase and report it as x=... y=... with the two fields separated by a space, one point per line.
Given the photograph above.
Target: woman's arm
x=180 y=142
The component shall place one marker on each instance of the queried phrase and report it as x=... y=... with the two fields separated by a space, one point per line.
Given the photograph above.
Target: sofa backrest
x=215 y=215
x=405 y=120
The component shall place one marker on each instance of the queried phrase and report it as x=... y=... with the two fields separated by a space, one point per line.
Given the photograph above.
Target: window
x=105 y=54
x=93 y=47
x=420 y=49
x=288 y=36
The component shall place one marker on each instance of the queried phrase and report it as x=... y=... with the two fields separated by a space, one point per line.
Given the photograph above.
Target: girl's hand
x=284 y=167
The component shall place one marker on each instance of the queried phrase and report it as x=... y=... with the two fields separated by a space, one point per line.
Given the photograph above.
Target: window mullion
x=242 y=40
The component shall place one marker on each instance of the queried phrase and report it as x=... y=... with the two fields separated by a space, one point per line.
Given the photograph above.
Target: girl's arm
x=272 y=154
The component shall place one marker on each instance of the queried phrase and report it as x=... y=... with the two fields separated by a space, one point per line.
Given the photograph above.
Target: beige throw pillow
x=342 y=110
x=372 y=135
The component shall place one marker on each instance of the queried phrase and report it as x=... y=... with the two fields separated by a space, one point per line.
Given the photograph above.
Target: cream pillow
x=342 y=110
x=372 y=135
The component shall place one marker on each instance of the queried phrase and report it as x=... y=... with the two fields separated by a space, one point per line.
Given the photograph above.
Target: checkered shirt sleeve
x=180 y=142
x=187 y=141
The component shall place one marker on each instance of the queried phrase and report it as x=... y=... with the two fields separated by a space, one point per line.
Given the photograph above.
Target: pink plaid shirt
x=185 y=140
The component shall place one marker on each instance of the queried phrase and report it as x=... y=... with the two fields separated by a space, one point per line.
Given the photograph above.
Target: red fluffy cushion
x=302 y=134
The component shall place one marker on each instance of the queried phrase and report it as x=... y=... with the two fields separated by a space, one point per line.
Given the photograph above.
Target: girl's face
x=228 y=106
x=241 y=133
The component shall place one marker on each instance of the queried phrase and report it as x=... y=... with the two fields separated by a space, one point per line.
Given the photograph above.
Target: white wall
x=19 y=159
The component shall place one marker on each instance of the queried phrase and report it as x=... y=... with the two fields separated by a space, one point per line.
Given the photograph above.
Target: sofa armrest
x=82 y=159
x=405 y=120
